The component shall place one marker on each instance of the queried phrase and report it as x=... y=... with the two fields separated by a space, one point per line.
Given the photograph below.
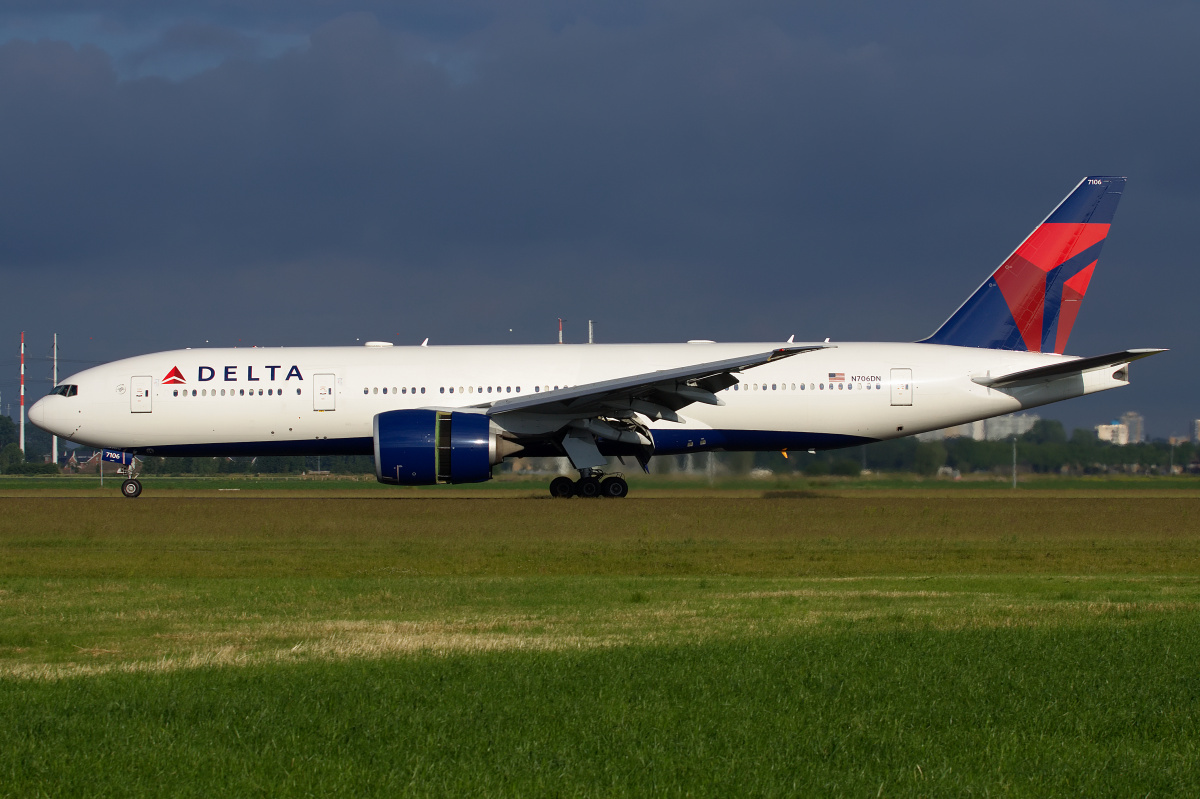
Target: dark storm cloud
x=674 y=170
x=190 y=42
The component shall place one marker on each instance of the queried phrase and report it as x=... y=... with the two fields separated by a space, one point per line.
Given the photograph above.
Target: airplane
x=450 y=414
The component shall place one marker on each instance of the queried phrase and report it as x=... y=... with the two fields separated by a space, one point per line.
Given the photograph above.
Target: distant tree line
x=37 y=447
x=1045 y=449
x=272 y=465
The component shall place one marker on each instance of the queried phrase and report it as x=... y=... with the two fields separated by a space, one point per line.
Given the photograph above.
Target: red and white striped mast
x=22 y=393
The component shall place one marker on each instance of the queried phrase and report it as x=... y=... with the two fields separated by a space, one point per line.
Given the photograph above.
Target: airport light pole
x=1014 y=443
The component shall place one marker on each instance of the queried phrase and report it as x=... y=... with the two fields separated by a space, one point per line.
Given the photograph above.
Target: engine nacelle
x=423 y=447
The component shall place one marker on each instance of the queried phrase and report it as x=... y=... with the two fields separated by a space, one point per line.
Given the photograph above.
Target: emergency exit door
x=140 y=398
x=324 y=393
x=902 y=387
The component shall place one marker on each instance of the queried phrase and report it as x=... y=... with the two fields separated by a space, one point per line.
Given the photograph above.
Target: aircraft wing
x=655 y=394
x=1057 y=370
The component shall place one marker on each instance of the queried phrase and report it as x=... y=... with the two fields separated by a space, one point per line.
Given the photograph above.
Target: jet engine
x=425 y=447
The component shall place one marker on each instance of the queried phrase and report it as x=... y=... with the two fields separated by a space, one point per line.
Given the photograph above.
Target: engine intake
x=425 y=447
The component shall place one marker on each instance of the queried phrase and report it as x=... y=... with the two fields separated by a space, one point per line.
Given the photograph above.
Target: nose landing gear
x=591 y=483
x=131 y=488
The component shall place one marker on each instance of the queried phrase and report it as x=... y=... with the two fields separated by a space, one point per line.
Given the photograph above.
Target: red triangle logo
x=173 y=376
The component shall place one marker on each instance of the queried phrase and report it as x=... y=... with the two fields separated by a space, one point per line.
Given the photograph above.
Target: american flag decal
x=837 y=377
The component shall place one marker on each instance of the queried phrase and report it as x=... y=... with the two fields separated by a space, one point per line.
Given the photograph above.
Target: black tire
x=562 y=488
x=587 y=487
x=614 y=487
x=131 y=489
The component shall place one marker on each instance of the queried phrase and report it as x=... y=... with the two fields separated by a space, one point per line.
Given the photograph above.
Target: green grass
x=854 y=644
x=800 y=535
x=1096 y=711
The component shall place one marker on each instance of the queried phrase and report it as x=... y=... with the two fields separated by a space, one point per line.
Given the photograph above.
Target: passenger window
x=385 y=389
x=773 y=387
x=193 y=392
x=297 y=392
x=442 y=390
x=176 y=392
x=375 y=390
x=509 y=390
x=422 y=389
x=366 y=390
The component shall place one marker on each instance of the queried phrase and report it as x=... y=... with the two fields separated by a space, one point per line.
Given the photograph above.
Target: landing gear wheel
x=562 y=488
x=613 y=487
x=587 y=487
x=131 y=489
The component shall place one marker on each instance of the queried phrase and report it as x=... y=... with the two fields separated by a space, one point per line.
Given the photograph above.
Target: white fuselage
x=324 y=399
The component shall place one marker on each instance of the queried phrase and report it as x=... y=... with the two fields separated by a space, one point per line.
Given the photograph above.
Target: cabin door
x=140 y=397
x=902 y=387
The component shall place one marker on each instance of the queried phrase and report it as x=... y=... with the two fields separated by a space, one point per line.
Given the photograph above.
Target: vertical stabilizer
x=1031 y=301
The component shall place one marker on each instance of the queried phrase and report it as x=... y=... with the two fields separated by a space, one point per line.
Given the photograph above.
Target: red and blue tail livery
x=1030 y=302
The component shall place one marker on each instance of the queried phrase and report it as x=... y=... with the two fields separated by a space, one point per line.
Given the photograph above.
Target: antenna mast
x=22 y=394
x=54 y=384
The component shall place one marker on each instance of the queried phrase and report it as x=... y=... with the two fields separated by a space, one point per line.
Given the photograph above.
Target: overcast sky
x=301 y=173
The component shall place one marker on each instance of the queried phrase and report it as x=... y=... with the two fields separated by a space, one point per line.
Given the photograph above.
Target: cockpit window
x=65 y=390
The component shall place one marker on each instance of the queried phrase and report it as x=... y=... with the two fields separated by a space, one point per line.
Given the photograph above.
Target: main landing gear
x=131 y=488
x=591 y=483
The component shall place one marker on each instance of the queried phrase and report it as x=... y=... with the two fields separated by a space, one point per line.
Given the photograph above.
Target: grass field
x=806 y=642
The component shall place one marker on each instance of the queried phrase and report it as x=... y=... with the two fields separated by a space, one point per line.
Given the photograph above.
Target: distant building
x=975 y=430
x=1117 y=433
x=1137 y=426
x=1196 y=431
x=997 y=429
x=1015 y=424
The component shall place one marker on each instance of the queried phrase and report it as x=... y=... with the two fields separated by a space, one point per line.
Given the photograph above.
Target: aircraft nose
x=37 y=414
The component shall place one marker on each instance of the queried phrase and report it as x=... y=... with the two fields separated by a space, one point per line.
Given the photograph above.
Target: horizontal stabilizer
x=1069 y=367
